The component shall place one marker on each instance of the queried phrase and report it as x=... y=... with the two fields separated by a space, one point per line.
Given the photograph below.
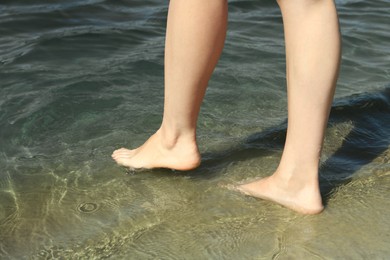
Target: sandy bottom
x=97 y=210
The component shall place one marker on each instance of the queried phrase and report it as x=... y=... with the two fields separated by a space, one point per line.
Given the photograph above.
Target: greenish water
x=79 y=79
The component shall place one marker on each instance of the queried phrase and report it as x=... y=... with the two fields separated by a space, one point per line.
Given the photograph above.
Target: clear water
x=79 y=79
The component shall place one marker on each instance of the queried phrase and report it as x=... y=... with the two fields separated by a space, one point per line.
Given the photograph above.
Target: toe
x=121 y=151
x=117 y=151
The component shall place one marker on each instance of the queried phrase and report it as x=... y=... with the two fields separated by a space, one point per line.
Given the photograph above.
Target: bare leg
x=196 y=32
x=313 y=54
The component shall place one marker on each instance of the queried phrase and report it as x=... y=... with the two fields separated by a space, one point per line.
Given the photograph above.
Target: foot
x=304 y=199
x=181 y=154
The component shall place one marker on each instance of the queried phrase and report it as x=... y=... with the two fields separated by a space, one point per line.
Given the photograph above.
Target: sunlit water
x=79 y=79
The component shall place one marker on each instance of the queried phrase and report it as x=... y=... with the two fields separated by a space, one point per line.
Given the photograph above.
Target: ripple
x=88 y=207
x=80 y=77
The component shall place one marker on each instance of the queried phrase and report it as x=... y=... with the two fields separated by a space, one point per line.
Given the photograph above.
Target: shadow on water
x=369 y=137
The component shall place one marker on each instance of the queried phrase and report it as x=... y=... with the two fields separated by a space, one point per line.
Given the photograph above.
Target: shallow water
x=79 y=79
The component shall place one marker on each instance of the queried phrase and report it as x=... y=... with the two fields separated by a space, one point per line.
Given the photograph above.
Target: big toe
x=247 y=189
x=123 y=151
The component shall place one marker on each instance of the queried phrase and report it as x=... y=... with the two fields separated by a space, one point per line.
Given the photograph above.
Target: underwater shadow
x=369 y=137
x=367 y=140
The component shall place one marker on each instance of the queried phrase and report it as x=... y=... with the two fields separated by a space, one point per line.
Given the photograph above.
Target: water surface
x=79 y=79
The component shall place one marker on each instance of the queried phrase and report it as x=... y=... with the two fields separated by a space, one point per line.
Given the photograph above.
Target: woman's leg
x=196 y=32
x=312 y=54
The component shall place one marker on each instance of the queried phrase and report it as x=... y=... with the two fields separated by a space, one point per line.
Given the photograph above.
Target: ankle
x=171 y=138
x=298 y=176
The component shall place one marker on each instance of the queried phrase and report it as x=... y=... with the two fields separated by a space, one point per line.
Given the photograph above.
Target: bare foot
x=300 y=198
x=182 y=154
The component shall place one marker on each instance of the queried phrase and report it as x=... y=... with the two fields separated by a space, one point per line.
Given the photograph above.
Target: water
x=82 y=78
